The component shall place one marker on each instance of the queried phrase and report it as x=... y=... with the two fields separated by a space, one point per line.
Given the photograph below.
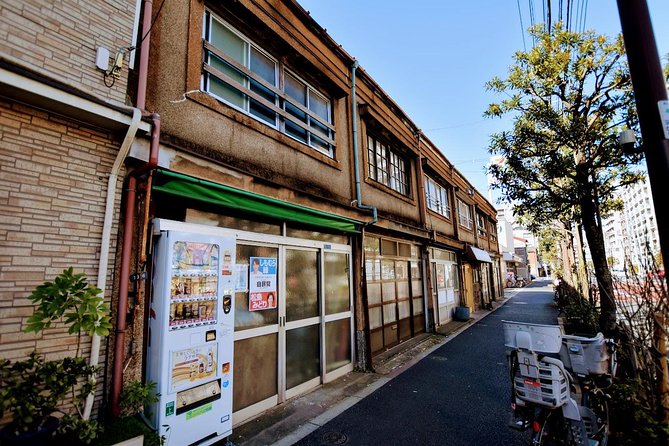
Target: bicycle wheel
x=548 y=429
x=596 y=418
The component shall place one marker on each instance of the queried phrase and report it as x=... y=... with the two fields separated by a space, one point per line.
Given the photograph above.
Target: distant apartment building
x=631 y=234
x=615 y=238
x=518 y=245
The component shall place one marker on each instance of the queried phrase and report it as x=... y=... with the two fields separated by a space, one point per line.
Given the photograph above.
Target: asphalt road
x=457 y=395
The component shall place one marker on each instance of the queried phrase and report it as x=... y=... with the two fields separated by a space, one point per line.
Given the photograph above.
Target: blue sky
x=433 y=58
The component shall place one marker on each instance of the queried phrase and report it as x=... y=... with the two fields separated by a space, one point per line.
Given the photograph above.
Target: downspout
x=126 y=254
x=129 y=219
x=106 y=238
x=430 y=304
x=361 y=344
x=422 y=207
x=356 y=155
x=475 y=214
x=455 y=213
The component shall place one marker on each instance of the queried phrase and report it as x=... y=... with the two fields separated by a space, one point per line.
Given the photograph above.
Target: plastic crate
x=547 y=387
x=585 y=356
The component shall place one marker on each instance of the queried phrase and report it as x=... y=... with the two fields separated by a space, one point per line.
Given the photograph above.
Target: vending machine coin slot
x=227 y=303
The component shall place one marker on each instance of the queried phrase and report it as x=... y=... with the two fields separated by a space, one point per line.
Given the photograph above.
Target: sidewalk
x=288 y=423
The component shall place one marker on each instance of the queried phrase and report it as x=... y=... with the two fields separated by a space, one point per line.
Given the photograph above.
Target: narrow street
x=457 y=395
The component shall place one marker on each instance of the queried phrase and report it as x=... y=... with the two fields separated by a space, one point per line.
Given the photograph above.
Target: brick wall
x=60 y=39
x=53 y=182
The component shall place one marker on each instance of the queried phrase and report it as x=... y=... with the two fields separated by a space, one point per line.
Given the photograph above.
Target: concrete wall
x=200 y=124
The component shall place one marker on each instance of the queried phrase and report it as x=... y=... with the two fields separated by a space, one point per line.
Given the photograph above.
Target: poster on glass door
x=262 y=283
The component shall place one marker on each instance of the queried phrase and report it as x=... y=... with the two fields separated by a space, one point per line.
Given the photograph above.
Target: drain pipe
x=126 y=254
x=129 y=219
x=106 y=238
x=356 y=155
x=360 y=335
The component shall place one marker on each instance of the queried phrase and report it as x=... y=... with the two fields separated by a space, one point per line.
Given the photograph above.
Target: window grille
x=239 y=73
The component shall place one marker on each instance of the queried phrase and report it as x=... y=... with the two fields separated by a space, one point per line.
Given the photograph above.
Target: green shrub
x=633 y=422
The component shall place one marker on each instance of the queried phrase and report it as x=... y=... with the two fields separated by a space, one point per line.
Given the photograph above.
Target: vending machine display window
x=193 y=285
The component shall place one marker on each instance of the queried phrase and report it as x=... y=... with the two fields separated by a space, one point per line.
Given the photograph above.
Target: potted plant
x=34 y=390
x=132 y=429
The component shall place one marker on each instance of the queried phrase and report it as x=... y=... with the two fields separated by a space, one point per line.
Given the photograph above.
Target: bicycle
x=558 y=384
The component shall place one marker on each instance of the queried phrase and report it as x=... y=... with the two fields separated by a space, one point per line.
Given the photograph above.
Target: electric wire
x=531 y=4
x=131 y=48
x=585 y=14
x=548 y=15
x=532 y=20
x=522 y=28
x=455 y=126
x=153 y=22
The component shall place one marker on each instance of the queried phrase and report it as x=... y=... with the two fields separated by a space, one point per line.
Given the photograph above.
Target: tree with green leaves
x=568 y=97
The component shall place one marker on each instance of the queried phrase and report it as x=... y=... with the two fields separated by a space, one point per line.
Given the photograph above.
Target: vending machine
x=191 y=332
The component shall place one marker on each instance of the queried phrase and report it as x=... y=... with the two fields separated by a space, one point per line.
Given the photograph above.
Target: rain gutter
x=356 y=154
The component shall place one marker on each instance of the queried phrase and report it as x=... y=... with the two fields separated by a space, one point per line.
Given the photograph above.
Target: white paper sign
x=664 y=116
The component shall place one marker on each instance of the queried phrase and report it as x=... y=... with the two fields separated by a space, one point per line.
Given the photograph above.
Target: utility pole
x=650 y=92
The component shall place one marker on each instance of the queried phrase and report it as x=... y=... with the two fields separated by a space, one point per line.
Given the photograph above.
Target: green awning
x=204 y=191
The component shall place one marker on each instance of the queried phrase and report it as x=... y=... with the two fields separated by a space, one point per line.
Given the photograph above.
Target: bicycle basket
x=585 y=356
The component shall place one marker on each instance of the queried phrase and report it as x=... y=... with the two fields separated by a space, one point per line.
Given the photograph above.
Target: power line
x=585 y=14
x=522 y=28
x=153 y=22
x=548 y=15
x=531 y=4
x=456 y=126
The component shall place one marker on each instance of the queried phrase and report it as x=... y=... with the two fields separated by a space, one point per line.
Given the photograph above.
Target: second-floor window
x=437 y=197
x=241 y=74
x=481 y=225
x=465 y=215
x=387 y=166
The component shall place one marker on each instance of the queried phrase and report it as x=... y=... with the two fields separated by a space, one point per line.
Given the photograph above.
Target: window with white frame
x=481 y=225
x=387 y=166
x=436 y=197
x=465 y=215
x=241 y=74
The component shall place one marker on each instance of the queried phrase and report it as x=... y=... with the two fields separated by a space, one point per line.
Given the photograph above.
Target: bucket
x=461 y=314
